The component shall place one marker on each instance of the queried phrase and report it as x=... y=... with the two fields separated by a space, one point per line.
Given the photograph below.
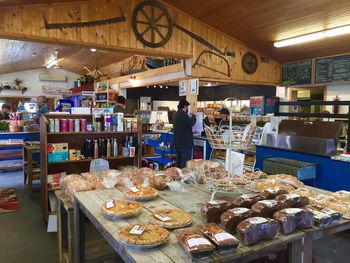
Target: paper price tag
x=257 y=220
x=110 y=204
x=213 y=202
x=163 y=217
x=134 y=189
x=292 y=210
x=240 y=210
x=269 y=203
x=223 y=236
x=137 y=230
x=197 y=241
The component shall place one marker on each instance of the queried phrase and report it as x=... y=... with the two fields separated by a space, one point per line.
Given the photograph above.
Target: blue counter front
x=331 y=174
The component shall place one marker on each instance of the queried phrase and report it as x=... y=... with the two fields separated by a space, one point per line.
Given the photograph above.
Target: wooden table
x=29 y=170
x=87 y=204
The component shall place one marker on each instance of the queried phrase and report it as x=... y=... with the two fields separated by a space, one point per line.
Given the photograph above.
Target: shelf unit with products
x=104 y=95
x=72 y=152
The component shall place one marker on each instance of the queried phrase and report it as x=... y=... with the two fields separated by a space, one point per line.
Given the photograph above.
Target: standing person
x=120 y=105
x=43 y=107
x=183 y=135
x=4 y=112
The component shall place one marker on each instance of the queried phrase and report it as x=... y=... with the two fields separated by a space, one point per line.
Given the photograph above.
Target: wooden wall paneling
x=2 y=21
x=120 y=36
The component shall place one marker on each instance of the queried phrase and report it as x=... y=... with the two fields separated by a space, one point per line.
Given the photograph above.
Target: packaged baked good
x=74 y=183
x=270 y=183
x=255 y=175
x=342 y=208
x=141 y=193
x=293 y=200
x=143 y=235
x=272 y=193
x=324 y=216
x=159 y=181
x=246 y=200
x=194 y=243
x=266 y=208
x=303 y=192
x=292 y=219
x=343 y=196
x=95 y=179
x=111 y=178
x=212 y=210
x=116 y=209
x=254 y=229
x=174 y=172
x=232 y=217
x=287 y=180
x=223 y=241
x=170 y=218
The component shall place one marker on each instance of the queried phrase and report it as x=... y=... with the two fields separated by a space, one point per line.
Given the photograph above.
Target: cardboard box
x=57 y=152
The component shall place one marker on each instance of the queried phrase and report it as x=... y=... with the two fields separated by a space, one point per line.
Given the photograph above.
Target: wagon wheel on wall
x=152 y=23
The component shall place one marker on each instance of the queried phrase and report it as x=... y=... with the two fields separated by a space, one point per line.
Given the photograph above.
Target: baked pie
x=121 y=208
x=141 y=193
x=170 y=218
x=143 y=234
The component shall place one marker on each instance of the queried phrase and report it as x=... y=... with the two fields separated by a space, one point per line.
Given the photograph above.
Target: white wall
x=31 y=80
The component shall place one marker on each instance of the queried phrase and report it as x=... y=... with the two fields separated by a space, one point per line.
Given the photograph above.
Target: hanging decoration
x=249 y=62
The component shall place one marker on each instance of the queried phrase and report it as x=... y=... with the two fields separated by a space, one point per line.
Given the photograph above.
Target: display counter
x=332 y=175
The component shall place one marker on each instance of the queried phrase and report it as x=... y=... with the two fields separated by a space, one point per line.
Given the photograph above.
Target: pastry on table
x=170 y=218
x=121 y=208
x=143 y=234
x=141 y=193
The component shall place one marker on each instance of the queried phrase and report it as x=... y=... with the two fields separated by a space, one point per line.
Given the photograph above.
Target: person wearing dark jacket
x=183 y=135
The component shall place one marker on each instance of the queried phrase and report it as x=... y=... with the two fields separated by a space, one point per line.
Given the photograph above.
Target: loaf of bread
x=293 y=200
x=246 y=200
x=272 y=193
x=159 y=181
x=292 y=219
x=212 y=210
x=223 y=241
x=232 y=217
x=266 y=208
x=254 y=229
x=194 y=243
x=174 y=172
x=324 y=216
x=287 y=180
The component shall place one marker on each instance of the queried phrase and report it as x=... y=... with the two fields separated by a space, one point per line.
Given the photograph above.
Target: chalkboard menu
x=332 y=69
x=296 y=73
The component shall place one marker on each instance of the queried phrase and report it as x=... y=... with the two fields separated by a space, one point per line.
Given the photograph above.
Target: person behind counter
x=183 y=135
x=223 y=121
x=43 y=107
x=4 y=112
x=120 y=105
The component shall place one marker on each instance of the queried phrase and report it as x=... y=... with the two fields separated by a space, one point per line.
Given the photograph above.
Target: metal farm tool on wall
x=148 y=9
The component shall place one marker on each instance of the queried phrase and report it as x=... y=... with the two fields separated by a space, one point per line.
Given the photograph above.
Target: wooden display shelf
x=92 y=133
x=76 y=140
x=91 y=159
x=8 y=168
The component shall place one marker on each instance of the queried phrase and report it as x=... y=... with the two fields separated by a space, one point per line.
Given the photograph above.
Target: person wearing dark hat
x=4 y=112
x=223 y=121
x=120 y=105
x=183 y=135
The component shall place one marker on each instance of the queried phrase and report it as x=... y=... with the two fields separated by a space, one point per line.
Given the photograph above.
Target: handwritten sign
x=99 y=165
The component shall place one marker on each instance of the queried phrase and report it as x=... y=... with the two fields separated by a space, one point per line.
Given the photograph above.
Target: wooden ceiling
x=18 y=55
x=259 y=23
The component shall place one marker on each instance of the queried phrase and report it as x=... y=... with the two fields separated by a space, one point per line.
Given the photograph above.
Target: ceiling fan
x=52 y=61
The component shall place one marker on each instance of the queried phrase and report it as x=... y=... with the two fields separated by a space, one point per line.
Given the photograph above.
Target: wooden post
x=192 y=99
x=79 y=234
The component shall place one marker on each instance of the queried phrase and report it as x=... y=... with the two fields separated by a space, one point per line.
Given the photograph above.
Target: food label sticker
x=292 y=196
x=248 y=196
x=110 y=204
x=213 y=202
x=137 y=230
x=257 y=220
x=271 y=191
x=293 y=210
x=197 y=241
x=240 y=210
x=223 y=236
x=162 y=217
x=134 y=189
x=269 y=203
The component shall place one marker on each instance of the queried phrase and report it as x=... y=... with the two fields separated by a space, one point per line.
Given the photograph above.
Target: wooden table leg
x=70 y=227
x=295 y=249
x=307 y=248
x=79 y=234
x=59 y=230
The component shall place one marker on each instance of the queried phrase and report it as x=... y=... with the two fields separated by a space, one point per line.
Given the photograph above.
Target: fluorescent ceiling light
x=93 y=49
x=52 y=63
x=313 y=36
